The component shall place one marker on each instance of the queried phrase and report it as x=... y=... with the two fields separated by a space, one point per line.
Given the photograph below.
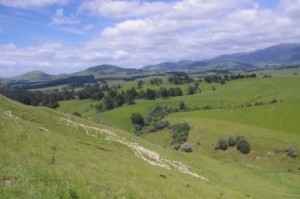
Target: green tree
x=107 y=103
x=182 y=106
x=231 y=140
x=191 y=90
x=222 y=144
x=137 y=119
x=118 y=100
x=180 y=132
x=243 y=145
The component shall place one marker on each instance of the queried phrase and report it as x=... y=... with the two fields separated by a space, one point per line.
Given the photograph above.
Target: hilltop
x=32 y=76
x=282 y=55
x=278 y=55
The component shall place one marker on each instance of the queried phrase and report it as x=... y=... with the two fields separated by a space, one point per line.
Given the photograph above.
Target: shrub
x=73 y=193
x=273 y=101
x=243 y=145
x=186 y=147
x=231 y=140
x=158 y=126
x=291 y=151
x=137 y=119
x=182 y=106
x=180 y=132
x=206 y=107
x=157 y=113
x=77 y=114
x=222 y=144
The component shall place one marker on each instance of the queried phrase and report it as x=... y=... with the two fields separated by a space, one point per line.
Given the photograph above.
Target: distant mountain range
x=274 y=56
x=279 y=55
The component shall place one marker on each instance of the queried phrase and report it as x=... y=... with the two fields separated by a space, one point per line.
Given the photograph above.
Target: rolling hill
x=40 y=80
x=282 y=54
x=32 y=76
x=110 y=72
x=279 y=55
x=49 y=154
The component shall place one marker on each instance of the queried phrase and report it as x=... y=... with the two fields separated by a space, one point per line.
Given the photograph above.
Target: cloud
x=60 y=19
x=124 y=9
x=188 y=29
x=31 y=3
x=88 y=27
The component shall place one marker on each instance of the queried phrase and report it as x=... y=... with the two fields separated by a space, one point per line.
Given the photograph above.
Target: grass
x=232 y=95
x=65 y=164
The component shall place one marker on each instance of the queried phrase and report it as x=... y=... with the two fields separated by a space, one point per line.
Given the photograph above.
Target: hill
x=32 y=76
x=278 y=55
x=49 y=154
x=169 y=66
x=110 y=72
x=282 y=54
x=40 y=80
x=265 y=110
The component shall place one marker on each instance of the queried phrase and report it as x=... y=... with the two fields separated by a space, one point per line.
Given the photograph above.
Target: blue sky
x=64 y=36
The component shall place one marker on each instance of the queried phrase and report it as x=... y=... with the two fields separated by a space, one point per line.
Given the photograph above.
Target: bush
x=291 y=151
x=182 y=106
x=273 y=101
x=180 y=132
x=73 y=193
x=231 y=140
x=186 y=147
x=157 y=113
x=156 y=126
x=243 y=145
x=77 y=114
x=222 y=144
x=137 y=119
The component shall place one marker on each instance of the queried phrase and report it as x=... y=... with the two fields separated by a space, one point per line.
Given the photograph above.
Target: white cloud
x=121 y=8
x=31 y=3
x=88 y=27
x=188 y=29
x=60 y=19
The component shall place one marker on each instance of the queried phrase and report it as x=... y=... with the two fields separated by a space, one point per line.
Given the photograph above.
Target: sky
x=65 y=36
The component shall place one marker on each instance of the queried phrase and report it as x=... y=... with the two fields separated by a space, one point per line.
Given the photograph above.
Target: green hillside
x=49 y=154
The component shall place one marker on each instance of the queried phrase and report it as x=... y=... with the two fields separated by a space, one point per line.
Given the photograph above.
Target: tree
x=130 y=95
x=182 y=106
x=180 y=132
x=191 y=90
x=243 y=145
x=151 y=94
x=118 y=100
x=140 y=84
x=163 y=92
x=222 y=144
x=137 y=119
x=157 y=113
x=108 y=103
x=231 y=140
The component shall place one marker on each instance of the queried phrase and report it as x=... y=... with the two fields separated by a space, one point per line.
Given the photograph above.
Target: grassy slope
x=91 y=168
x=99 y=169
x=270 y=128
x=232 y=94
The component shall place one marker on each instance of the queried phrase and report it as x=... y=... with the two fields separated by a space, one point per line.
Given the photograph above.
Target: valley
x=96 y=154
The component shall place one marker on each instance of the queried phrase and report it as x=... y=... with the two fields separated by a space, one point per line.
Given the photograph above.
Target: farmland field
x=44 y=157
